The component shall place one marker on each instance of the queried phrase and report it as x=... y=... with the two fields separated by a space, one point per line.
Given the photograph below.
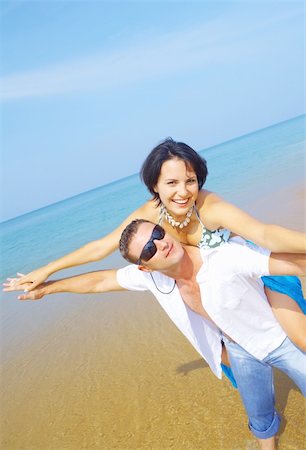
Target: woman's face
x=177 y=186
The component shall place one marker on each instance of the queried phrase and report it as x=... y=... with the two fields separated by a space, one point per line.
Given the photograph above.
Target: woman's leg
x=289 y=315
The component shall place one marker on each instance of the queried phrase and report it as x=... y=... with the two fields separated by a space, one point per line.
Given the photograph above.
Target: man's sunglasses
x=150 y=249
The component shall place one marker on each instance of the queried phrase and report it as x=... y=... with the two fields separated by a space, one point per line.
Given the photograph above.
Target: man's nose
x=160 y=244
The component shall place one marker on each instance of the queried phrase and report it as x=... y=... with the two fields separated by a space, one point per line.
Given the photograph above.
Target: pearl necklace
x=174 y=222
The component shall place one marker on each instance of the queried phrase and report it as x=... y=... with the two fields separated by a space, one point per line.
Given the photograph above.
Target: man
x=212 y=297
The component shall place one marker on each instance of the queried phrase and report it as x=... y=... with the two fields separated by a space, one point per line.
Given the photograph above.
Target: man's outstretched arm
x=92 y=282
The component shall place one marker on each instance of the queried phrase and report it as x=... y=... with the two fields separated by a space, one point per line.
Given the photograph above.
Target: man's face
x=169 y=251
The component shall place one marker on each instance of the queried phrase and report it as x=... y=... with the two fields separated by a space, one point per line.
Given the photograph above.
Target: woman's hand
x=29 y=281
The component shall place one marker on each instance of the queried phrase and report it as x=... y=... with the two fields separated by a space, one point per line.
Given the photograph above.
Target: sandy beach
x=111 y=371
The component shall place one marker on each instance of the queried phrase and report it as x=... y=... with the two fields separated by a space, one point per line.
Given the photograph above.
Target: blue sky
x=88 y=88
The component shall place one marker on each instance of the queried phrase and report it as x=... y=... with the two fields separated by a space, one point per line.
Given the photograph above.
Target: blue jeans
x=255 y=382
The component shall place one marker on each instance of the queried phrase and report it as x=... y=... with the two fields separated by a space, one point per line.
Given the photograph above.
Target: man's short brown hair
x=126 y=238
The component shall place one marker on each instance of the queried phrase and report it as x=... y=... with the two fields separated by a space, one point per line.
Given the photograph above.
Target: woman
x=174 y=174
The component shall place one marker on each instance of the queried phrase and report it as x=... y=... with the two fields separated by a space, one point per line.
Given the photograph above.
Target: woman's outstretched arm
x=93 y=251
x=276 y=238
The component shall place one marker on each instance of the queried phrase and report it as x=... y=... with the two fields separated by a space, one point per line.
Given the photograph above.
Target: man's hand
x=36 y=294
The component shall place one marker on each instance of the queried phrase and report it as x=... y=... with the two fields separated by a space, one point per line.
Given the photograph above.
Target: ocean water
x=274 y=156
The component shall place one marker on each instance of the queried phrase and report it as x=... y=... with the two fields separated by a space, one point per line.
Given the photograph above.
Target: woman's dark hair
x=170 y=149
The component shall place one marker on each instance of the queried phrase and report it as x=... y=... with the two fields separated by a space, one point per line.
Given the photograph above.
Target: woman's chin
x=179 y=211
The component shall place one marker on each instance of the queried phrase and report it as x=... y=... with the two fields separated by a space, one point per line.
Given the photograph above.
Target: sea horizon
x=135 y=174
x=235 y=167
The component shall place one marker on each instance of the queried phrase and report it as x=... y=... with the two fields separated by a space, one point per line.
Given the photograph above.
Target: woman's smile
x=181 y=202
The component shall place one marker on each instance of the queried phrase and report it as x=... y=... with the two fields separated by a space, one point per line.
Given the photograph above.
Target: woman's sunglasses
x=150 y=249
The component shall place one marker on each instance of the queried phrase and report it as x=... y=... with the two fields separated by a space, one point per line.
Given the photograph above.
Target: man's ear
x=144 y=268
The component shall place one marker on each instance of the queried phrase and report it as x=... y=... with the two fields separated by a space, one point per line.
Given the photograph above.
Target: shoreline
x=111 y=371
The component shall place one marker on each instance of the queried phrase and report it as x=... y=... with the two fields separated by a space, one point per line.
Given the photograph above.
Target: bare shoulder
x=206 y=199
x=210 y=207
x=148 y=211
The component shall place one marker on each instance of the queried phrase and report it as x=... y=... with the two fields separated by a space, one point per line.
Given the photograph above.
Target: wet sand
x=111 y=372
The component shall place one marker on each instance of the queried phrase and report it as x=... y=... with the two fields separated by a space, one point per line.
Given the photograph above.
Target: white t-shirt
x=232 y=294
